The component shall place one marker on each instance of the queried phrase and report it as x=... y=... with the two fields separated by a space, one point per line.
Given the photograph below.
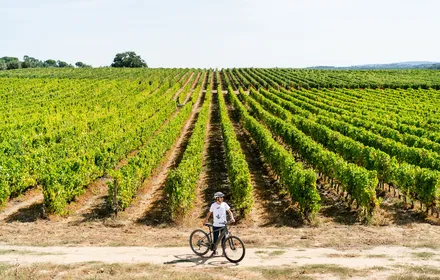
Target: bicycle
x=232 y=246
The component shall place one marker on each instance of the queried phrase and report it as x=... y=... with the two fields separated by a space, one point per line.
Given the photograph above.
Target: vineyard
x=300 y=134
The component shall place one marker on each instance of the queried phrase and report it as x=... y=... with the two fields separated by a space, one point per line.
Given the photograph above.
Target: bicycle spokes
x=234 y=249
x=199 y=242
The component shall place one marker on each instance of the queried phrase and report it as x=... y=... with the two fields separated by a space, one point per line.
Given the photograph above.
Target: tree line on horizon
x=11 y=63
x=122 y=60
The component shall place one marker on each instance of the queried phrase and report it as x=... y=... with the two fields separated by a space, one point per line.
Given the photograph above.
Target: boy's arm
x=232 y=216
x=207 y=217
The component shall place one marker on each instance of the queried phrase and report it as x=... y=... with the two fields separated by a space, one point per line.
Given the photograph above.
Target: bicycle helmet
x=218 y=194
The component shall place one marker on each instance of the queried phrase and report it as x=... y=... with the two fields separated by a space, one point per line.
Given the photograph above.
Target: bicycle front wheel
x=199 y=242
x=233 y=249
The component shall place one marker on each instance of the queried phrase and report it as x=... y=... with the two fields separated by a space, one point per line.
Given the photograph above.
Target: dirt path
x=255 y=257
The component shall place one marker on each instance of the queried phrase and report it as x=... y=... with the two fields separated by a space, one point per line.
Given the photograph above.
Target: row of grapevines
x=366 y=78
x=231 y=79
x=415 y=182
x=388 y=132
x=420 y=157
x=400 y=116
x=81 y=166
x=143 y=74
x=273 y=79
x=68 y=151
x=130 y=177
x=244 y=80
x=414 y=120
x=301 y=182
x=357 y=181
x=423 y=113
x=360 y=109
x=181 y=182
x=364 y=114
x=22 y=155
x=348 y=148
x=238 y=170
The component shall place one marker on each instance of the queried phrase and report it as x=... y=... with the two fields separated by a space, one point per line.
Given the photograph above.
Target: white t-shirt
x=219 y=213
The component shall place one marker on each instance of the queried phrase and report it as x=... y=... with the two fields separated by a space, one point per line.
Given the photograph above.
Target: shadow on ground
x=194 y=260
x=100 y=211
x=158 y=214
x=28 y=214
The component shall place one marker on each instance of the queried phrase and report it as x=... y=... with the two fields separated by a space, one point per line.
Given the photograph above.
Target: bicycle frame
x=223 y=233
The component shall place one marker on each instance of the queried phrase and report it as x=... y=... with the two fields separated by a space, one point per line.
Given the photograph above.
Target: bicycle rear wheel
x=199 y=242
x=233 y=249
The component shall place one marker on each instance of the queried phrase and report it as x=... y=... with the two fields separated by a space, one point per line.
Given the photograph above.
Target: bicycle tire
x=199 y=242
x=233 y=249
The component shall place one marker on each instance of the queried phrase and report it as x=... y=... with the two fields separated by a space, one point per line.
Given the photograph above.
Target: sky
x=223 y=33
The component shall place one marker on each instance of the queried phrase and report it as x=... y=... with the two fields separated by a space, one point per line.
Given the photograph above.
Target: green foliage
x=50 y=63
x=8 y=59
x=128 y=60
x=131 y=176
x=300 y=182
x=11 y=63
x=238 y=170
x=80 y=64
x=181 y=183
x=62 y=64
x=357 y=181
x=14 y=64
x=69 y=132
x=62 y=128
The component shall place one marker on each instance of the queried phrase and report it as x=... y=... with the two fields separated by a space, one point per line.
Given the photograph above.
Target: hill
x=396 y=65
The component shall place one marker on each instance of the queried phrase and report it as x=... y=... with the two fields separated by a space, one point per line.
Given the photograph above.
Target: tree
x=50 y=63
x=13 y=64
x=26 y=64
x=31 y=62
x=3 y=65
x=8 y=59
x=129 y=60
x=62 y=64
x=80 y=64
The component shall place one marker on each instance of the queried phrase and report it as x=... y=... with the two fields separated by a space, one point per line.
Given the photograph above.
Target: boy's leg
x=217 y=231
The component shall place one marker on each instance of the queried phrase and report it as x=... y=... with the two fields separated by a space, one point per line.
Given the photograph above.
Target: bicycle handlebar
x=225 y=223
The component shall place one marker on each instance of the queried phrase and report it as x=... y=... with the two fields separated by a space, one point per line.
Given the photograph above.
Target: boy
x=219 y=209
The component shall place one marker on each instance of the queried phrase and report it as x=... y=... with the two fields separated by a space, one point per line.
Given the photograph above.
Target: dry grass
x=273 y=253
x=126 y=233
x=343 y=255
x=423 y=255
x=96 y=270
x=377 y=256
x=416 y=272
x=311 y=272
x=26 y=252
